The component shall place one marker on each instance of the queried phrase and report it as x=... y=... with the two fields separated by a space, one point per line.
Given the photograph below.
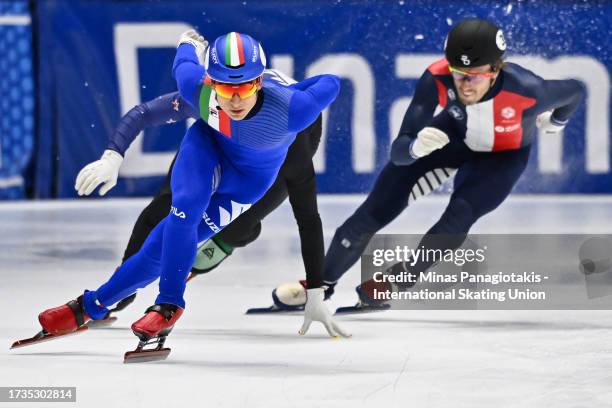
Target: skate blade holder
x=361 y=308
x=275 y=309
x=141 y=355
x=42 y=336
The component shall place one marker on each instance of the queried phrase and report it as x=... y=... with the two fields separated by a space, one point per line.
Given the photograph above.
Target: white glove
x=105 y=170
x=316 y=310
x=547 y=125
x=428 y=140
x=194 y=38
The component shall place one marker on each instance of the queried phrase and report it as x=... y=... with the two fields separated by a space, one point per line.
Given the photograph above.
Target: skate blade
x=361 y=308
x=99 y=324
x=142 y=356
x=274 y=309
x=42 y=337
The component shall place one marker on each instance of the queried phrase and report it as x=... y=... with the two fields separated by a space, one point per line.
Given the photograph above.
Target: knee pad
x=458 y=218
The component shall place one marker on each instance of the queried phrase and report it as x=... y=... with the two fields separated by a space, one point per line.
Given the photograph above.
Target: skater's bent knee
x=458 y=217
x=357 y=230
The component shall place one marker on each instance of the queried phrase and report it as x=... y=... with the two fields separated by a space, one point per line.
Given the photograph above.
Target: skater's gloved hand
x=105 y=170
x=428 y=140
x=547 y=124
x=315 y=310
x=194 y=38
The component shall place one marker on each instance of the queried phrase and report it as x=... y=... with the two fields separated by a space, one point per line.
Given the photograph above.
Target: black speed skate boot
x=367 y=300
x=367 y=292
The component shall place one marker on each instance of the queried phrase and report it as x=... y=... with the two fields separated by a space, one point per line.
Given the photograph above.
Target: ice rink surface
x=50 y=252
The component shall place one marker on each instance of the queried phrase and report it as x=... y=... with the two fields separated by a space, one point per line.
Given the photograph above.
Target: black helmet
x=473 y=43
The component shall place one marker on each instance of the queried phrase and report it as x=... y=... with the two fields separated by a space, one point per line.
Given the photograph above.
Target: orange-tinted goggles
x=243 y=90
x=474 y=77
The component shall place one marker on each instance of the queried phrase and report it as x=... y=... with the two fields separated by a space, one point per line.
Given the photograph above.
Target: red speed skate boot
x=153 y=328
x=368 y=302
x=369 y=291
x=57 y=322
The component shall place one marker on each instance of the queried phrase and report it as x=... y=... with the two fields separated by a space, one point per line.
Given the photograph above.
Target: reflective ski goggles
x=243 y=90
x=473 y=77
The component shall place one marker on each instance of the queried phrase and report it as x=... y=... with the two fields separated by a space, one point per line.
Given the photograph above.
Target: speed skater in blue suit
x=228 y=159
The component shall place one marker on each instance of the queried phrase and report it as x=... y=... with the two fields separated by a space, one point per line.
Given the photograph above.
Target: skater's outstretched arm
x=188 y=73
x=164 y=109
x=302 y=190
x=303 y=198
x=299 y=174
x=556 y=100
x=562 y=96
x=312 y=95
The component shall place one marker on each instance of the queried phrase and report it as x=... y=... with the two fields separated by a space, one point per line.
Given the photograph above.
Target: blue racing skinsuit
x=222 y=168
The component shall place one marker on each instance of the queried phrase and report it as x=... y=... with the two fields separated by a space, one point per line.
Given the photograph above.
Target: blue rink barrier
x=17 y=98
x=98 y=59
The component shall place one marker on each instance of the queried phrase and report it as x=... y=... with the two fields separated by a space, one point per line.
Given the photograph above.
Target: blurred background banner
x=17 y=98
x=94 y=60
